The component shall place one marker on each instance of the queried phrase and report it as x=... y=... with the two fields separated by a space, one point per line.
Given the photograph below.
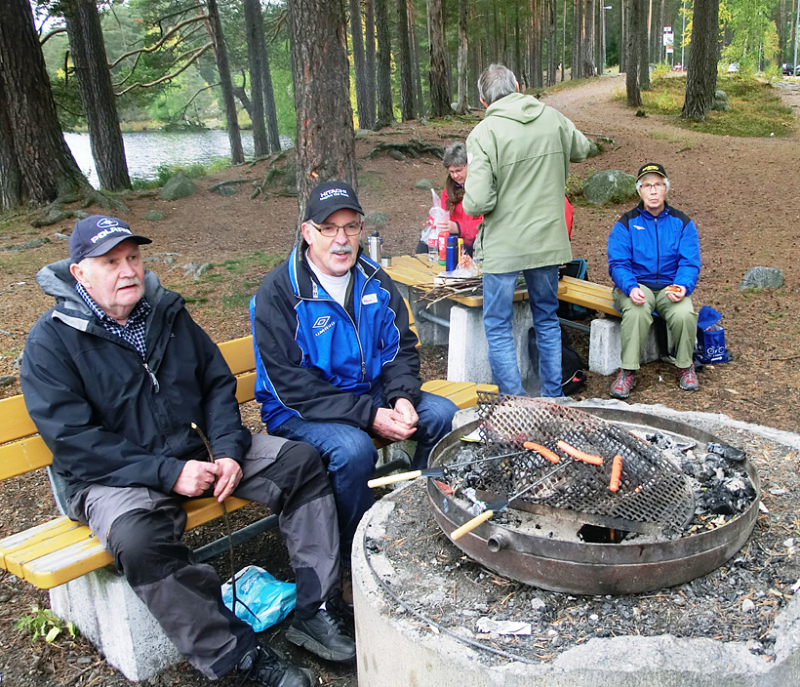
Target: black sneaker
x=322 y=636
x=343 y=612
x=263 y=667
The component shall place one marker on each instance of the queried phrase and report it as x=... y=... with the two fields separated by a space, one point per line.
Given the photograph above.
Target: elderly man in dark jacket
x=114 y=376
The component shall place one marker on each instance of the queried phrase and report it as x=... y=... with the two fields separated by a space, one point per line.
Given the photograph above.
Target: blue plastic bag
x=710 y=347
x=261 y=600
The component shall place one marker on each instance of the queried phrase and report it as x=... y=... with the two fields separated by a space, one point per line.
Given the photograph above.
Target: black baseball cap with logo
x=98 y=234
x=651 y=168
x=328 y=197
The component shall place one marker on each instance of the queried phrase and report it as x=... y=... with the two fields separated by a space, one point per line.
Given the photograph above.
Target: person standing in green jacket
x=518 y=159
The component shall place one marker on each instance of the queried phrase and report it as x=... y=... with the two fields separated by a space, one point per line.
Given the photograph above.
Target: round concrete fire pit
x=426 y=614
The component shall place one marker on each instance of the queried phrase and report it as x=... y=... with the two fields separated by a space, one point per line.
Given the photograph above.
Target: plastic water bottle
x=433 y=245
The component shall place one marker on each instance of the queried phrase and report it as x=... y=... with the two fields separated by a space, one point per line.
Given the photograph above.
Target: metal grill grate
x=652 y=489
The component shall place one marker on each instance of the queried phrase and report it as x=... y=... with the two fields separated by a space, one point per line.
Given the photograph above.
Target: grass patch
x=756 y=110
x=194 y=171
x=557 y=87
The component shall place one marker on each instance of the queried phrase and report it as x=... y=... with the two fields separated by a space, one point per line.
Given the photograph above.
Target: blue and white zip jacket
x=317 y=361
x=654 y=251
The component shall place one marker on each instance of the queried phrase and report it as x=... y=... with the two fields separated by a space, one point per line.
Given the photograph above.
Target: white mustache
x=344 y=249
x=135 y=281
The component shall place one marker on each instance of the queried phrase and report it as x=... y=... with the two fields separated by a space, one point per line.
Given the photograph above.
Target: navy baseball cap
x=98 y=234
x=651 y=168
x=328 y=197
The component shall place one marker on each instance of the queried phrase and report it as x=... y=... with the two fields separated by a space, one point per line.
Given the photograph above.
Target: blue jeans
x=351 y=456
x=498 y=309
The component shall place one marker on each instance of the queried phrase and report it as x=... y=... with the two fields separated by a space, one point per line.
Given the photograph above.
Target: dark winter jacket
x=317 y=361
x=110 y=417
x=654 y=251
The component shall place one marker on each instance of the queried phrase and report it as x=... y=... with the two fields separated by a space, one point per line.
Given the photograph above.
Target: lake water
x=148 y=150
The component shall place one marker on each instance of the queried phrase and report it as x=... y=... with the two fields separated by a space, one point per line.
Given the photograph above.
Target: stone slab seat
x=64 y=556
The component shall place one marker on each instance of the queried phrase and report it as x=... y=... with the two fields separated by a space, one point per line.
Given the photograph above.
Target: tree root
x=415 y=148
x=86 y=197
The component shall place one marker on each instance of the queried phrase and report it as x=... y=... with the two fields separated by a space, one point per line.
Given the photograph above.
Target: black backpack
x=573 y=375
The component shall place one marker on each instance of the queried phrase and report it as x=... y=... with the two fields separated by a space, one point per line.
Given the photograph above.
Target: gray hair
x=496 y=82
x=639 y=182
x=455 y=155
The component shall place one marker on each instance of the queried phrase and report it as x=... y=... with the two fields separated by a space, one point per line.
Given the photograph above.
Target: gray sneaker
x=322 y=635
x=623 y=384
x=687 y=378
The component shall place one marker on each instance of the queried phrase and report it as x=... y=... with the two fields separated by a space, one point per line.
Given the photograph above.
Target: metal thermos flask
x=374 y=242
x=452 y=253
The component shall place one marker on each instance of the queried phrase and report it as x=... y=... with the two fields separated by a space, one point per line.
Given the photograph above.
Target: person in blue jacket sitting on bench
x=654 y=260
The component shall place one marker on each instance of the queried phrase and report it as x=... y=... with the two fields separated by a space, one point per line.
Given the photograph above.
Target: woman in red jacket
x=460 y=224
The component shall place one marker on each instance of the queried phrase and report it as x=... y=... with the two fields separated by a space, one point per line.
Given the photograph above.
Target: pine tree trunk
x=359 y=65
x=474 y=66
x=623 y=36
x=537 y=80
x=234 y=135
x=404 y=63
x=45 y=164
x=644 y=52
x=462 y=106
x=439 y=78
x=552 y=42
x=252 y=18
x=635 y=26
x=384 y=71
x=88 y=53
x=701 y=79
x=588 y=39
x=412 y=32
x=325 y=139
x=577 y=39
x=10 y=175
x=267 y=93
x=369 y=59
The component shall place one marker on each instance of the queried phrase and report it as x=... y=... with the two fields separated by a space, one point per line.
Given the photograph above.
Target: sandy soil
x=741 y=193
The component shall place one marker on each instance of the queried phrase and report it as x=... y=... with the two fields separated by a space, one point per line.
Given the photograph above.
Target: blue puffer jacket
x=316 y=360
x=655 y=251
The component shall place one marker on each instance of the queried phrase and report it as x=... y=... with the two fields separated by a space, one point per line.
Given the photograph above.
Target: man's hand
x=405 y=413
x=391 y=425
x=637 y=296
x=676 y=293
x=196 y=477
x=228 y=479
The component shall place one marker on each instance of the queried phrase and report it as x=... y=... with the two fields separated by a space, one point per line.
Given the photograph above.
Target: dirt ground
x=741 y=193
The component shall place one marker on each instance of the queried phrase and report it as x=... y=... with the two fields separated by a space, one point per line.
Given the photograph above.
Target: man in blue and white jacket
x=336 y=361
x=654 y=260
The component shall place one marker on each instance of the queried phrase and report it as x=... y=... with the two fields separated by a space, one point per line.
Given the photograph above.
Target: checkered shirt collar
x=133 y=331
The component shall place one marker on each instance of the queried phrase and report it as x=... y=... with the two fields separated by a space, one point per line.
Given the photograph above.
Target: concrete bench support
x=105 y=609
x=468 y=355
x=605 y=346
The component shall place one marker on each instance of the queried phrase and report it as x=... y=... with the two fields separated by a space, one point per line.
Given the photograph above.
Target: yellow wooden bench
x=62 y=550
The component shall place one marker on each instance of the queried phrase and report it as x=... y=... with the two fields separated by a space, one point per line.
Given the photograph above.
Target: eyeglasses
x=456 y=170
x=652 y=187
x=331 y=230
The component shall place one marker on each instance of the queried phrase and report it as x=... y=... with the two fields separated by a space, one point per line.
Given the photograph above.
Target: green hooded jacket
x=518 y=159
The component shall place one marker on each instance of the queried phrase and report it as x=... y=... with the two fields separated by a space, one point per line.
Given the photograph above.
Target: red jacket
x=468 y=226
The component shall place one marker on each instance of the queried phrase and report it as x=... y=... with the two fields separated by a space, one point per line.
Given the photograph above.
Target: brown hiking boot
x=687 y=379
x=623 y=384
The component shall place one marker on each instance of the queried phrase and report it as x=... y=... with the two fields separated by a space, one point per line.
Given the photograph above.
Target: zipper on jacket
x=152 y=376
x=658 y=255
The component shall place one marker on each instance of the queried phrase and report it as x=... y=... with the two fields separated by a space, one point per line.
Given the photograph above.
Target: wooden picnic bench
x=59 y=553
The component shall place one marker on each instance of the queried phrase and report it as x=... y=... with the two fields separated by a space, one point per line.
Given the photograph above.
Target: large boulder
x=375 y=219
x=178 y=186
x=762 y=278
x=424 y=184
x=720 y=103
x=611 y=185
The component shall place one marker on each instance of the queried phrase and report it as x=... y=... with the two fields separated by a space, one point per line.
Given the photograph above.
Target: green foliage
x=661 y=70
x=755 y=109
x=42 y=622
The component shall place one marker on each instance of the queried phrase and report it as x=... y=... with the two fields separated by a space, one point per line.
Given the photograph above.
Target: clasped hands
x=197 y=477
x=675 y=293
x=396 y=424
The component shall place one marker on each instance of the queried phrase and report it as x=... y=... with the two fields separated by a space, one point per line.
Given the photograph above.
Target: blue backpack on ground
x=710 y=347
